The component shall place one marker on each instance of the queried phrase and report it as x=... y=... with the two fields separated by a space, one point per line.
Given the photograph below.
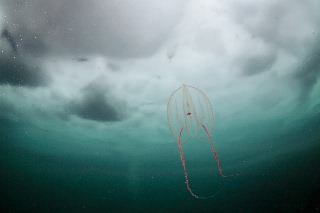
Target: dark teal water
x=104 y=178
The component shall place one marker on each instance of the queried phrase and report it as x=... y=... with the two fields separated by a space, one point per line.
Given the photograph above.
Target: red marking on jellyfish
x=214 y=151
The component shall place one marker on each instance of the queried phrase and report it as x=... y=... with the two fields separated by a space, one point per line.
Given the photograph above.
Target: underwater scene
x=159 y=106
